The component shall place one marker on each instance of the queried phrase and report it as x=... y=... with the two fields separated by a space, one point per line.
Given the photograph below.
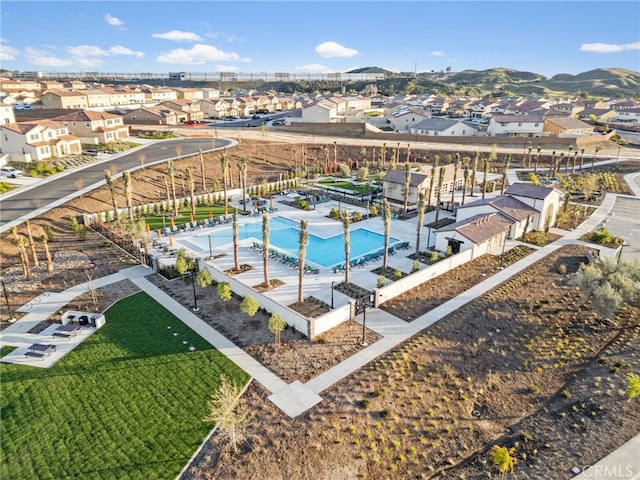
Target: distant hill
x=602 y=82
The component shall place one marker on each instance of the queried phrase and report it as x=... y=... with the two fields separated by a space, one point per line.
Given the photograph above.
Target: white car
x=11 y=172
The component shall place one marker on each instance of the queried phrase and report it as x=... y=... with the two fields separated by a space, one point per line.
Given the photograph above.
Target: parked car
x=92 y=151
x=11 y=172
x=255 y=117
x=232 y=117
x=279 y=121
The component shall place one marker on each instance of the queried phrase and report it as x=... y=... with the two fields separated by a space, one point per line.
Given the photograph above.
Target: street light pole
x=363 y=343
x=622 y=245
x=332 y=284
x=195 y=299
x=210 y=251
x=6 y=297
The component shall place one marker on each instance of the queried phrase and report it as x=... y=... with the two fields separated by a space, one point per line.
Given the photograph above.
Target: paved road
x=29 y=202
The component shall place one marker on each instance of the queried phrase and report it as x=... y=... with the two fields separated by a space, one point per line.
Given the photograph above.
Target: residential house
x=125 y=97
x=567 y=127
x=156 y=95
x=439 y=126
x=213 y=108
x=601 y=115
x=95 y=127
x=189 y=109
x=51 y=85
x=210 y=93
x=404 y=119
x=152 y=116
x=546 y=200
x=7 y=115
x=480 y=108
x=515 y=126
x=481 y=233
x=323 y=111
x=393 y=184
x=65 y=99
x=630 y=117
x=246 y=105
x=192 y=94
x=38 y=141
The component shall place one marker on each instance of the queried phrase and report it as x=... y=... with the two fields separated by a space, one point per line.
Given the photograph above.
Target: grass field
x=346 y=185
x=127 y=403
x=184 y=216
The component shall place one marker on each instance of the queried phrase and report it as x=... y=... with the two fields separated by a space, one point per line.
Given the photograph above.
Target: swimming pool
x=284 y=235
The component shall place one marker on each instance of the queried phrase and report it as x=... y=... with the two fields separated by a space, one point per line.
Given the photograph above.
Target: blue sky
x=546 y=37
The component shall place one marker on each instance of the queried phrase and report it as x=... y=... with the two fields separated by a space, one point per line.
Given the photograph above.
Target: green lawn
x=155 y=221
x=346 y=185
x=127 y=403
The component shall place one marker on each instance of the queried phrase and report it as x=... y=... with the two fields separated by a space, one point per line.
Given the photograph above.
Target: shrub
x=562 y=269
x=416 y=266
x=82 y=232
x=373 y=211
x=434 y=257
x=334 y=214
x=345 y=171
x=397 y=275
x=249 y=306
x=381 y=281
x=356 y=216
x=364 y=403
x=75 y=226
x=224 y=291
x=601 y=236
x=49 y=232
x=536 y=238
x=633 y=385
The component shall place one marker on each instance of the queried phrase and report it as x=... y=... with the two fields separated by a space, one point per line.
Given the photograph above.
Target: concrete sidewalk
x=624 y=462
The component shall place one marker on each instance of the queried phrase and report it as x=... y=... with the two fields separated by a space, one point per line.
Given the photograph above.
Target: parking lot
x=624 y=222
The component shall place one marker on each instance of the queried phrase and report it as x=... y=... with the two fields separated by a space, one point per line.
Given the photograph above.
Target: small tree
x=184 y=261
x=224 y=291
x=276 y=326
x=229 y=411
x=302 y=251
x=47 y=253
x=249 y=306
x=203 y=277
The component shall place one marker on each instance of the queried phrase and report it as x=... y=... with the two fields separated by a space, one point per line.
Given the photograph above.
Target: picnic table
x=68 y=329
x=40 y=350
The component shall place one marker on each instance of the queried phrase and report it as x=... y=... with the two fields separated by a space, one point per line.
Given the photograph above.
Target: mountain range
x=601 y=82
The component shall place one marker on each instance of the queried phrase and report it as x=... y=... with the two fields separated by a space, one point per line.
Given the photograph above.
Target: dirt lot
x=495 y=371
x=527 y=366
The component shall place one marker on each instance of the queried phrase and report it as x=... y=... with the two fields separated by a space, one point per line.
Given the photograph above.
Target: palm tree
x=386 y=218
x=47 y=253
x=242 y=166
x=112 y=190
x=595 y=154
x=407 y=184
x=204 y=178
x=325 y=147
x=436 y=162
x=507 y=162
x=575 y=161
x=235 y=240
x=335 y=156
x=408 y=153
x=529 y=149
x=552 y=164
x=476 y=157
x=581 y=159
x=172 y=179
x=421 y=207
x=466 y=178
x=265 y=249
x=569 y=158
x=24 y=258
x=346 y=223
x=535 y=168
x=456 y=162
x=192 y=196
x=166 y=188
x=485 y=174
x=383 y=154
x=302 y=251
x=224 y=164
x=439 y=193
x=32 y=245
x=128 y=194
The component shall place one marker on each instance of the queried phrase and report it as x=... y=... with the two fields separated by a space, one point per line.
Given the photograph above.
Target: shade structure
x=159 y=234
x=271 y=201
x=171 y=240
x=173 y=222
x=192 y=219
x=147 y=228
x=210 y=215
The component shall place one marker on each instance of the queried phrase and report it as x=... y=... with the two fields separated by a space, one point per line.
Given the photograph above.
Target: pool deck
x=316 y=285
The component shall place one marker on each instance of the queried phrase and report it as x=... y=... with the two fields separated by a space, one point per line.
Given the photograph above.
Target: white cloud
x=178 y=36
x=438 y=53
x=111 y=20
x=333 y=49
x=44 y=59
x=609 y=47
x=314 y=67
x=197 y=55
x=85 y=51
x=120 y=50
x=7 y=53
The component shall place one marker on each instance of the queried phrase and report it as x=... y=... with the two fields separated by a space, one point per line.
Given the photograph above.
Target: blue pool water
x=284 y=236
